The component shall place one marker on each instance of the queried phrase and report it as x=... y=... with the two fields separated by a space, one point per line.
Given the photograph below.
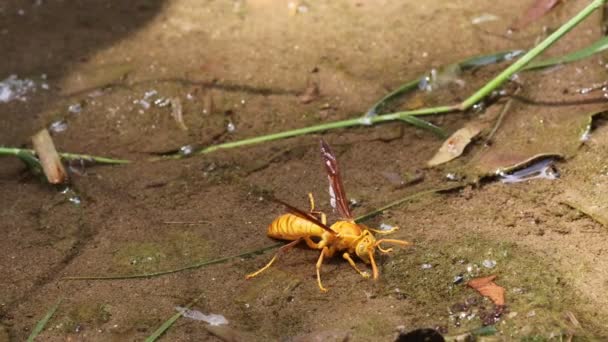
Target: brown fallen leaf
x=488 y=288
x=456 y=143
x=49 y=158
x=534 y=12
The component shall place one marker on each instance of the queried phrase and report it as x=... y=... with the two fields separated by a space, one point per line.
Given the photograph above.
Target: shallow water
x=240 y=69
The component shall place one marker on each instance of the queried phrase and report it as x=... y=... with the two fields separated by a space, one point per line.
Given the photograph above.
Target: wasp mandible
x=344 y=235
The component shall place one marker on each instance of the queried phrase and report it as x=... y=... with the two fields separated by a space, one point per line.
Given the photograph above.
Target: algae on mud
x=536 y=298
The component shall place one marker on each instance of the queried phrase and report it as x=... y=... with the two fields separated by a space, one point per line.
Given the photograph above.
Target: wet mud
x=113 y=73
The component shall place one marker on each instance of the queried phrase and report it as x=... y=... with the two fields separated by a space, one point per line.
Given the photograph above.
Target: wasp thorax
x=365 y=245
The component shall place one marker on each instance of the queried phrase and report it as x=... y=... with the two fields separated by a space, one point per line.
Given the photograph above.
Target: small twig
x=503 y=112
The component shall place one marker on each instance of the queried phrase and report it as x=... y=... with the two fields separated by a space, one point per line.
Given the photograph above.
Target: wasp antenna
x=396 y=242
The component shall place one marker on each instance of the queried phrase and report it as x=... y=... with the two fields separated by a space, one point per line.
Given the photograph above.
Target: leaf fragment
x=454 y=146
x=488 y=288
x=538 y=9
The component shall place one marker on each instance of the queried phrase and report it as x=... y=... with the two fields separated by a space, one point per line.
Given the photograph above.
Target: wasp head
x=366 y=247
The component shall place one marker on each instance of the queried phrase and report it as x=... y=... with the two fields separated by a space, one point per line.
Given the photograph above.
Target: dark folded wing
x=336 y=189
x=304 y=215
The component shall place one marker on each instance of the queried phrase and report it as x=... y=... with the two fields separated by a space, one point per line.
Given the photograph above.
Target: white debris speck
x=186 y=150
x=75 y=200
x=426 y=266
x=489 y=263
x=483 y=18
x=586 y=134
x=13 y=88
x=58 y=126
x=366 y=120
x=384 y=226
x=150 y=93
x=162 y=102
x=75 y=108
x=231 y=127
x=212 y=319
x=452 y=177
x=145 y=104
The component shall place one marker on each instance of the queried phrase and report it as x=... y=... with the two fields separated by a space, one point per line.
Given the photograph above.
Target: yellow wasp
x=344 y=235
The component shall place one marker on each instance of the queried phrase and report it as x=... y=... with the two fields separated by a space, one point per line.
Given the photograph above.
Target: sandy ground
x=113 y=71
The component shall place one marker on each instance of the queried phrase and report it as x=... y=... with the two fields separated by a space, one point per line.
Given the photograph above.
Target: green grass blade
x=176 y=270
x=466 y=64
x=598 y=46
x=31 y=162
x=28 y=156
x=530 y=55
x=414 y=121
x=494 y=58
x=168 y=323
x=163 y=328
x=42 y=323
x=402 y=90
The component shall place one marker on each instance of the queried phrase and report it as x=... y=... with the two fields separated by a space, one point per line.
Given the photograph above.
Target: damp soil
x=241 y=69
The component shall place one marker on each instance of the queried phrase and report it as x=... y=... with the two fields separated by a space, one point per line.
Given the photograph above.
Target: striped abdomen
x=291 y=227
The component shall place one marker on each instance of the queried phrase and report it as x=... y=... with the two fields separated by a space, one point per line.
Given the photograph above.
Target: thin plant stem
x=263 y=249
x=407 y=199
x=363 y=121
x=464 y=105
x=67 y=156
x=189 y=267
x=501 y=116
x=533 y=53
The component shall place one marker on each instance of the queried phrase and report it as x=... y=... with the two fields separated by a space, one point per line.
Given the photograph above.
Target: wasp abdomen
x=291 y=227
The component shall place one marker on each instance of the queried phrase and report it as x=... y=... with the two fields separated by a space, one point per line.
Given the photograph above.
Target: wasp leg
x=311 y=244
x=352 y=263
x=324 y=251
x=373 y=262
x=320 y=214
x=384 y=232
x=281 y=250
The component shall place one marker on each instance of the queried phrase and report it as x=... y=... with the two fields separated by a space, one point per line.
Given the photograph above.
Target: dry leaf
x=488 y=288
x=49 y=158
x=456 y=143
x=534 y=12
